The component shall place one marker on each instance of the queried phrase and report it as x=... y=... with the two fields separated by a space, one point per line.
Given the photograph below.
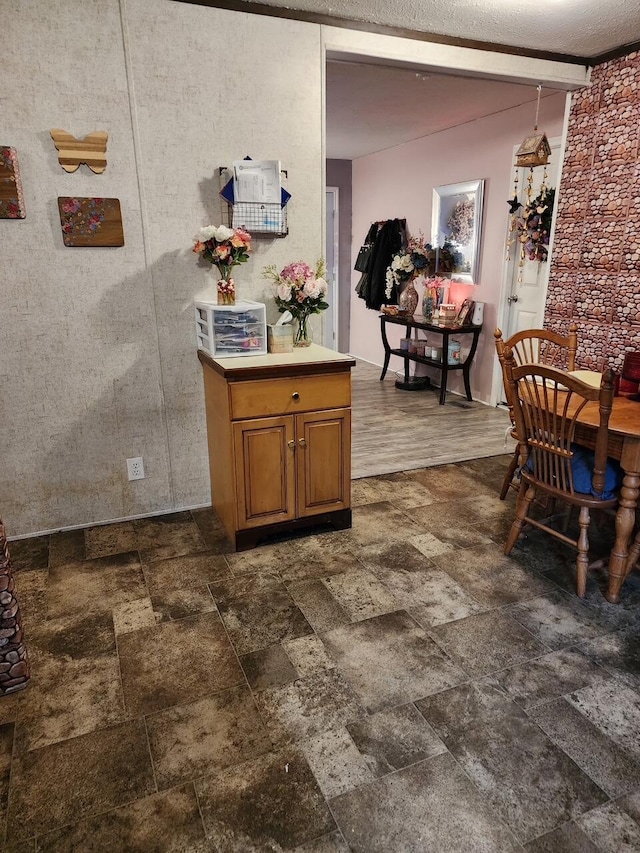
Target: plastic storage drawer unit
x=226 y=331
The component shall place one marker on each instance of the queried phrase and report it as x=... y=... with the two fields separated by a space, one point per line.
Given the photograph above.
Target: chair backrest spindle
x=547 y=404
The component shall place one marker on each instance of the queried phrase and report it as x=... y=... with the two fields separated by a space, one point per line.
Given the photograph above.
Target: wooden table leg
x=443 y=380
x=467 y=382
x=625 y=520
x=387 y=348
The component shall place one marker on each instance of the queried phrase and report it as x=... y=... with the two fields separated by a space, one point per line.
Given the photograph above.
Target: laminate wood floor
x=395 y=430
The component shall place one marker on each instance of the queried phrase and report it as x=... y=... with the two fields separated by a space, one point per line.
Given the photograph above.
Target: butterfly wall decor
x=91 y=150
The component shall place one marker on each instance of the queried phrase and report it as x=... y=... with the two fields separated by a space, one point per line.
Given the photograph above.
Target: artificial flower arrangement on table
x=410 y=262
x=301 y=290
x=407 y=264
x=225 y=248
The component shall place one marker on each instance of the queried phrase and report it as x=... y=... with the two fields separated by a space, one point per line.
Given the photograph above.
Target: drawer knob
x=302 y=442
x=295 y=396
x=291 y=444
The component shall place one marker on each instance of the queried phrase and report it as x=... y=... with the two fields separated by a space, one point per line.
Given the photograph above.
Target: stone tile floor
x=401 y=686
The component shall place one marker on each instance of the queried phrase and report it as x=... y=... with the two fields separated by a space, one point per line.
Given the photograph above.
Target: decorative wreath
x=460 y=222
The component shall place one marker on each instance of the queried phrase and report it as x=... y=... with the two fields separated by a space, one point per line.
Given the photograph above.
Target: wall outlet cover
x=135 y=468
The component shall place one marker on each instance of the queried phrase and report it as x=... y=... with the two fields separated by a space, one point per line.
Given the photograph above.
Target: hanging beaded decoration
x=529 y=222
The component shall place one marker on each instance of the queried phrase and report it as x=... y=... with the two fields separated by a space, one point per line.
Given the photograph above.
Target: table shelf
x=443 y=366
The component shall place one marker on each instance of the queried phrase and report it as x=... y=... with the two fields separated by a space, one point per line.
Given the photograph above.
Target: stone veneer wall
x=595 y=268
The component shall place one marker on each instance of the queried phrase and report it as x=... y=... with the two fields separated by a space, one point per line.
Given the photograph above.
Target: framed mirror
x=456 y=224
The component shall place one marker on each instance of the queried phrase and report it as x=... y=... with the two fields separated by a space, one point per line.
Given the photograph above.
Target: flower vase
x=226 y=291
x=408 y=301
x=428 y=303
x=302 y=337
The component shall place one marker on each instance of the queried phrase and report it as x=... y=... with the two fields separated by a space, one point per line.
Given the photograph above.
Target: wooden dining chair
x=633 y=561
x=546 y=405
x=533 y=346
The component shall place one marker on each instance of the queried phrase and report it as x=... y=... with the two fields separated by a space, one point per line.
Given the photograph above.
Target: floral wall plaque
x=11 y=200
x=91 y=221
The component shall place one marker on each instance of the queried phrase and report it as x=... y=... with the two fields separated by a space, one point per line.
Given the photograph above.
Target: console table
x=446 y=332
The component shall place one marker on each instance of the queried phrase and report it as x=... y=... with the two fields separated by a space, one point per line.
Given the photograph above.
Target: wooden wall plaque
x=11 y=199
x=91 y=221
x=91 y=150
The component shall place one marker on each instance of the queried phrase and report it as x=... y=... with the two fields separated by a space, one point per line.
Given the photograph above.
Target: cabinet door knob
x=291 y=444
x=302 y=442
x=295 y=396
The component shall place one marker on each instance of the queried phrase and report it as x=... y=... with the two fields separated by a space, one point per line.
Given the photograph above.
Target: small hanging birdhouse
x=534 y=151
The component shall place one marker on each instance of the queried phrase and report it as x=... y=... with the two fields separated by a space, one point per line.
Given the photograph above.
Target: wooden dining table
x=624 y=445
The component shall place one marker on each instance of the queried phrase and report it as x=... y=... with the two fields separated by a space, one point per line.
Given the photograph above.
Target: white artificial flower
x=311 y=288
x=322 y=285
x=220 y=234
x=283 y=291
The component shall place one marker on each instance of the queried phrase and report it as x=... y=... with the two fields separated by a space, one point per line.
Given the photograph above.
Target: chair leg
x=583 y=550
x=634 y=553
x=508 y=477
x=525 y=497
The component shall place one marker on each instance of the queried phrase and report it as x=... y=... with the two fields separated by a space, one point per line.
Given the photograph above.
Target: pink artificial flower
x=72 y=205
x=298 y=270
x=222 y=252
x=199 y=247
x=241 y=239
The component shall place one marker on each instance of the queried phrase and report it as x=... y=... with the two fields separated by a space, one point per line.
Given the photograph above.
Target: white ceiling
x=582 y=28
x=373 y=107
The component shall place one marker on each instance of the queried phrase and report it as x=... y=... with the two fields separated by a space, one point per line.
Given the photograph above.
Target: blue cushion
x=582 y=469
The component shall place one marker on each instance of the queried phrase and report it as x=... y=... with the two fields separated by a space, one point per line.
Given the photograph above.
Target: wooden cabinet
x=279 y=434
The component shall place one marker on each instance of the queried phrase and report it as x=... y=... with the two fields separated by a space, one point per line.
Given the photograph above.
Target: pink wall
x=596 y=255
x=399 y=182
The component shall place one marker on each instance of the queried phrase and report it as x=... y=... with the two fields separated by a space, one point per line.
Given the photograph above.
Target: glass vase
x=408 y=301
x=302 y=337
x=226 y=291
x=428 y=303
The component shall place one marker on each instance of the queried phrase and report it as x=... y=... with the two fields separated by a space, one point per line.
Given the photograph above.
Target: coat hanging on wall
x=390 y=237
x=91 y=150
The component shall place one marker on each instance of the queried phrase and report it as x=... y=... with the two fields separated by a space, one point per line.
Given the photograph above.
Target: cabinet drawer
x=257 y=398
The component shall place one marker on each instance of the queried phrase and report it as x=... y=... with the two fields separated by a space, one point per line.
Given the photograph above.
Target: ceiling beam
x=381 y=29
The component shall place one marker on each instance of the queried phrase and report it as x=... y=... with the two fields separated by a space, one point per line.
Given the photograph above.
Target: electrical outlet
x=135 y=468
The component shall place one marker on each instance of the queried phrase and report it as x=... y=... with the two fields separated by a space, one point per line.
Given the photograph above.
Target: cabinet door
x=324 y=461
x=265 y=471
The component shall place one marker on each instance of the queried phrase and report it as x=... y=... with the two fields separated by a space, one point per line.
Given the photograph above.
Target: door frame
x=334 y=295
x=497 y=394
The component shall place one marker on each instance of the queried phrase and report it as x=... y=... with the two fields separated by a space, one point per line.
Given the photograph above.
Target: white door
x=331 y=254
x=526 y=287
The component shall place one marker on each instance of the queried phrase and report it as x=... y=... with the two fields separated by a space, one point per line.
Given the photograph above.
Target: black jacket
x=391 y=237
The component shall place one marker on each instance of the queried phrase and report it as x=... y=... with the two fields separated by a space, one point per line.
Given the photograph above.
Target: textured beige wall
x=97 y=354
